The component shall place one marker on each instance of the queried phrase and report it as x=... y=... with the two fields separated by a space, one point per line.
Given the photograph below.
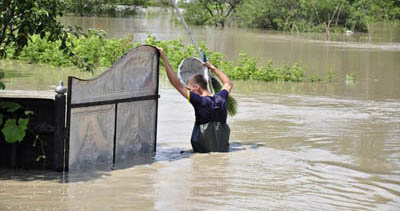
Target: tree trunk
x=390 y=30
x=327 y=29
x=338 y=14
x=369 y=32
x=328 y=33
x=330 y=18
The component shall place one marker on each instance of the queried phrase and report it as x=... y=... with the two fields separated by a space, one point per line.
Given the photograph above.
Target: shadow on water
x=166 y=153
x=172 y=154
x=86 y=174
x=239 y=146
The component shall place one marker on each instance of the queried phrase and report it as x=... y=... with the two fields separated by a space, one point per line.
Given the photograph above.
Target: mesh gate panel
x=113 y=117
x=133 y=135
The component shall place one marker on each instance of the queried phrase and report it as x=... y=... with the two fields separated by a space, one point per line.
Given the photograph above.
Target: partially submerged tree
x=21 y=19
x=214 y=12
x=327 y=13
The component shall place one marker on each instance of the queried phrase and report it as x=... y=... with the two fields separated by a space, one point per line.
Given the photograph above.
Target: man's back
x=210 y=108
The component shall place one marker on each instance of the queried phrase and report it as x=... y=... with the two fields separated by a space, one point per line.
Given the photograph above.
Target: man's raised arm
x=222 y=76
x=172 y=75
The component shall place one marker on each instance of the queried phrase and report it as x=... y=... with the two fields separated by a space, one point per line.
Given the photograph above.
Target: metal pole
x=59 y=133
x=187 y=28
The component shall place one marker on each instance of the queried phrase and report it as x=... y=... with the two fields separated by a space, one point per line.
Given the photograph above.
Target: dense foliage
x=297 y=15
x=213 y=12
x=21 y=19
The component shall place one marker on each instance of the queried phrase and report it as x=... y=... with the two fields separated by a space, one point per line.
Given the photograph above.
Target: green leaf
x=14 y=132
x=10 y=106
x=1 y=119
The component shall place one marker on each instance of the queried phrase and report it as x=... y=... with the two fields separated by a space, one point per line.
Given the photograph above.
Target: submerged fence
x=111 y=118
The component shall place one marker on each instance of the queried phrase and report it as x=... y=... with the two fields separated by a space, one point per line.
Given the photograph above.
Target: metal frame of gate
x=115 y=102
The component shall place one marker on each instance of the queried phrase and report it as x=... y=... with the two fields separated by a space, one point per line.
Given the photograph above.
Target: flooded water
x=295 y=146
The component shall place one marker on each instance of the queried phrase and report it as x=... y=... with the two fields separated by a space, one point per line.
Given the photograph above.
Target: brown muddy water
x=295 y=146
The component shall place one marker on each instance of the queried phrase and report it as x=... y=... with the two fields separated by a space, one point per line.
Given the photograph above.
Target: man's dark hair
x=199 y=80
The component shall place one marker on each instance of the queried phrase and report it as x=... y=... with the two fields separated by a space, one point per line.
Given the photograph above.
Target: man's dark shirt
x=210 y=108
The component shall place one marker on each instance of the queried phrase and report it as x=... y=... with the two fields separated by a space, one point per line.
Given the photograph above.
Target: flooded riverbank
x=295 y=146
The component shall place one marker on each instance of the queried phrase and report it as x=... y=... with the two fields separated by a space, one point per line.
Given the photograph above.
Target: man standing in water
x=210 y=132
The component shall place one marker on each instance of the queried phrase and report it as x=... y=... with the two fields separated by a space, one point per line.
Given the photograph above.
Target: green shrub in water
x=351 y=78
x=315 y=78
x=331 y=75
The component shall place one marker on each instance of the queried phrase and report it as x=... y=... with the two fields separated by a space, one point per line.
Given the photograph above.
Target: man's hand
x=224 y=78
x=209 y=65
x=162 y=53
x=173 y=79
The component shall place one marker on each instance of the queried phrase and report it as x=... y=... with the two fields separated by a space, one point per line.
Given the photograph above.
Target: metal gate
x=113 y=117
